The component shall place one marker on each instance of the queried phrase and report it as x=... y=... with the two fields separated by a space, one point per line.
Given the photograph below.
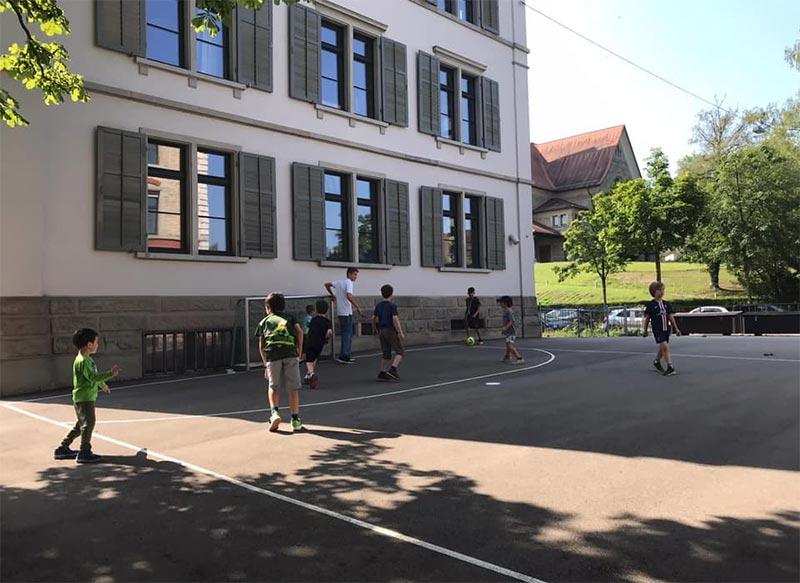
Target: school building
x=388 y=135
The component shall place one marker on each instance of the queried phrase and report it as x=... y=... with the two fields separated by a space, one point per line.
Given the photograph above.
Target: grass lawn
x=686 y=283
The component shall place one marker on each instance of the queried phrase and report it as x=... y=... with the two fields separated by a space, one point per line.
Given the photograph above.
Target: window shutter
x=398 y=236
x=304 y=53
x=394 y=82
x=120 y=25
x=490 y=17
x=431 y=226
x=254 y=51
x=121 y=190
x=495 y=234
x=490 y=106
x=257 y=233
x=427 y=93
x=308 y=209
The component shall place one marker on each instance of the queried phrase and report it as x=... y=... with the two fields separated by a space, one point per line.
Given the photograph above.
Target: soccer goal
x=250 y=311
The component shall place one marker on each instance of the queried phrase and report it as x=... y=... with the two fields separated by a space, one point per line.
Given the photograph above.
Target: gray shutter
x=308 y=210
x=490 y=107
x=394 y=82
x=398 y=236
x=121 y=190
x=257 y=233
x=304 y=53
x=490 y=17
x=254 y=50
x=427 y=93
x=120 y=25
x=495 y=234
x=431 y=226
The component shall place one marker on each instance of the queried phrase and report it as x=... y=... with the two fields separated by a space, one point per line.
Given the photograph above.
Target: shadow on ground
x=135 y=519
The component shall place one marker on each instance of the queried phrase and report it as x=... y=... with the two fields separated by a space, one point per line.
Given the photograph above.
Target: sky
x=731 y=49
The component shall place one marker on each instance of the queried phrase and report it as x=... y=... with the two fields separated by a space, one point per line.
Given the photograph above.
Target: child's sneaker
x=393 y=374
x=297 y=424
x=657 y=364
x=519 y=361
x=670 y=371
x=313 y=381
x=307 y=379
x=274 y=421
x=384 y=376
x=64 y=453
x=87 y=457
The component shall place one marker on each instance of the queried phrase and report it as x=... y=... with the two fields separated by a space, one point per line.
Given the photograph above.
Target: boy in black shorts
x=473 y=314
x=319 y=332
x=661 y=314
x=386 y=324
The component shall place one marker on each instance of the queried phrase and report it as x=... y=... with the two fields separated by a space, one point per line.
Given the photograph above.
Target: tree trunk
x=605 y=302
x=713 y=274
x=658 y=267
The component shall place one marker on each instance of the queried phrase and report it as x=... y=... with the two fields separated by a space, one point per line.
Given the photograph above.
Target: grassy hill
x=686 y=283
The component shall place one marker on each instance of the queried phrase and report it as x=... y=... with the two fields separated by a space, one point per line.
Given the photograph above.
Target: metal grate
x=188 y=351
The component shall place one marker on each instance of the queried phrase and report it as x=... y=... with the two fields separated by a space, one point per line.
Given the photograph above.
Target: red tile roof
x=576 y=161
x=555 y=204
x=544 y=230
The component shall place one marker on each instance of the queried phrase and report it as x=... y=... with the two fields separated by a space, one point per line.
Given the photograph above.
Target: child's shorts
x=661 y=337
x=284 y=374
x=510 y=338
x=312 y=353
x=390 y=340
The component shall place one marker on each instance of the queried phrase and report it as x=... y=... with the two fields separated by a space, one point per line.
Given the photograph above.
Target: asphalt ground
x=583 y=464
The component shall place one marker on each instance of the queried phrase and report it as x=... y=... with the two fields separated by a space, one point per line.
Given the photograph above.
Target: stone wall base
x=36 y=349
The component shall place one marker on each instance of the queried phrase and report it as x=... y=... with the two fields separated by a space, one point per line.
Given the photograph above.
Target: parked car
x=761 y=308
x=708 y=310
x=565 y=317
x=632 y=318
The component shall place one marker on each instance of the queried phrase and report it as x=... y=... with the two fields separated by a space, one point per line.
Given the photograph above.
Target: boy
x=509 y=331
x=341 y=292
x=306 y=321
x=473 y=314
x=386 y=324
x=319 y=332
x=661 y=313
x=85 y=383
x=280 y=339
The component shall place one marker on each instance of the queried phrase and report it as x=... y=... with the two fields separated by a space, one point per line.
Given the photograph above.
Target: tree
x=792 y=55
x=656 y=214
x=592 y=246
x=45 y=65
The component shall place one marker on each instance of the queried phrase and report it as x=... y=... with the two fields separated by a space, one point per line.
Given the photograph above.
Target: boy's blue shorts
x=661 y=337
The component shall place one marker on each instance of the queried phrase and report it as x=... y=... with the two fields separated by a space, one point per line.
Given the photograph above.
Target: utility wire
x=625 y=59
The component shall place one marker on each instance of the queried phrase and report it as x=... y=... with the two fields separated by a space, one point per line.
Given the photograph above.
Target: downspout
x=516 y=156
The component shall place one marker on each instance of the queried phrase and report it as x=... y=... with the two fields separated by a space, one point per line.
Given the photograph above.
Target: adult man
x=341 y=292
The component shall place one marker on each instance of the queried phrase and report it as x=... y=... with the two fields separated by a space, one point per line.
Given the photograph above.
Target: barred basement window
x=179 y=352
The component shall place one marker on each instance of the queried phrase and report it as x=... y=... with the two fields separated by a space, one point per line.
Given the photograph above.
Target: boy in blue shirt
x=661 y=314
x=386 y=324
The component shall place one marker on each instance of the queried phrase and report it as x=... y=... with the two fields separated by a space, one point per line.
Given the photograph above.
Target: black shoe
x=670 y=371
x=345 y=360
x=657 y=364
x=384 y=376
x=87 y=457
x=64 y=453
x=392 y=372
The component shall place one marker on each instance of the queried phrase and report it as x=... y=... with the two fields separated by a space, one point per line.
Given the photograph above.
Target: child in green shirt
x=85 y=382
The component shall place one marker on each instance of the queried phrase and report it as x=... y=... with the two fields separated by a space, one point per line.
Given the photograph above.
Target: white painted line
x=764 y=359
x=492 y=384
x=380 y=530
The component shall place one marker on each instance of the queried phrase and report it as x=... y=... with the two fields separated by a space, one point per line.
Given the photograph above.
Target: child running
x=85 y=383
x=279 y=341
x=473 y=314
x=509 y=331
x=662 y=316
x=319 y=332
x=386 y=323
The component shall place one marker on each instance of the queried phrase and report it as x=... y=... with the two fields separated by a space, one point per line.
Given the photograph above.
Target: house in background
x=567 y=174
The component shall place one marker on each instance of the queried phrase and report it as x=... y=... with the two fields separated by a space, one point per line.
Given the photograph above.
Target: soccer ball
x=470 y=341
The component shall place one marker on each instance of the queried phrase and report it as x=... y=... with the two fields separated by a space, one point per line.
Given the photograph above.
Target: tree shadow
x=133 y=519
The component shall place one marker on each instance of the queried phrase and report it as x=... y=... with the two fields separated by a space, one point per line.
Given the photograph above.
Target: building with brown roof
x=567 y=174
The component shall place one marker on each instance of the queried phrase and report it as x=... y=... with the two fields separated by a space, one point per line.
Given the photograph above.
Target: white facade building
x=387 y=134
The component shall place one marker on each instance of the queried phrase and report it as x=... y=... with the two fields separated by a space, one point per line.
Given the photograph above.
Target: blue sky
x=732 y=49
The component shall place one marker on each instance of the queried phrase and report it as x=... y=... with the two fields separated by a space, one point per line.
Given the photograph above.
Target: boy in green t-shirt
x=85 y=382
x=280 y=340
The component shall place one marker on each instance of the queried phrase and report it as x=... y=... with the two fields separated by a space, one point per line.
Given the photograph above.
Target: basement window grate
x=179 y=352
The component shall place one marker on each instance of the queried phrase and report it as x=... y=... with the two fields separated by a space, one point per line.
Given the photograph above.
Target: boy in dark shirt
x=319 y=332
x=473 y=314
x=661 y=314
x=386 y=324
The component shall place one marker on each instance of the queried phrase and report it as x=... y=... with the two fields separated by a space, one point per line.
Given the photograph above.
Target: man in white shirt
x=341 y=292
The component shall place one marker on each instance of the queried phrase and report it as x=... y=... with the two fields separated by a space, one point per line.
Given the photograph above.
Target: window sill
x=192 y=76
x=352 y=117
x=195 y=258
x=341 y=264
x=462 y=147
x=464 y=270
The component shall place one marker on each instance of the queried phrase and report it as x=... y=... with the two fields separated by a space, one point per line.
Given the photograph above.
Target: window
x=555 y=220
x=450 y=241
x=363 y=75
x=213 y=202
x=166 y=192
x=445 y=5
x=165 y=31
x=468 y=100
x=336 y=223
x=563 y=221
x=367 y=217
x=212 y=52
x=472 y=234
x=332 y=65
x=466 y=10
x=446 y=102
